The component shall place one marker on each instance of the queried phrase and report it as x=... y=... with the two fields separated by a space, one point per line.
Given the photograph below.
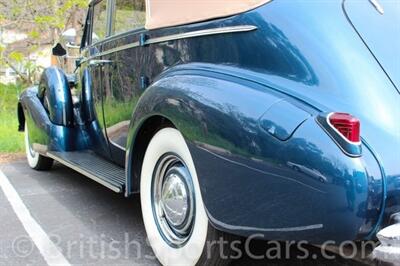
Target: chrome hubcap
x=173 y=200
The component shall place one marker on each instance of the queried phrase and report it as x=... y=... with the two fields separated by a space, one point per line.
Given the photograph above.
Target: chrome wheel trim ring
x=174 y=213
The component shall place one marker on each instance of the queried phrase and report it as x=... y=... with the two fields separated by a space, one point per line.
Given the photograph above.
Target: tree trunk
x=23 y=77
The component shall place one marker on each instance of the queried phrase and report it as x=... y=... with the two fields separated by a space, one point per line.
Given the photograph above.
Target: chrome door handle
x=99 y=62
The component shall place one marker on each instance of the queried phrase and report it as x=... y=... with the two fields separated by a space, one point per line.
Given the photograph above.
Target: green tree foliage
x=129 y=14
x=42 y=21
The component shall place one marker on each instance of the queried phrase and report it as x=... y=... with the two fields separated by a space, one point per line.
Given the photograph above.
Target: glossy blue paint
x=55 y=94
x=282 y=119
x=247 y=173
x=225 y=92
x=88 y=109
x=380 y=32
x=316 y=72
x=46 y=122
x=43 y=133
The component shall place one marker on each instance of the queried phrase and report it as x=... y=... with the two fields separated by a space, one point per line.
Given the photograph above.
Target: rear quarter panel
x=246 y=182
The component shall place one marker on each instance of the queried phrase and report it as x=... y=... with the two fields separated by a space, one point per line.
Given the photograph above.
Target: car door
x=92 y=72
x=123 y=77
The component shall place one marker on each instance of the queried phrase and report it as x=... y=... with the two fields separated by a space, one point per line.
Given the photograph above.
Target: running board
x=93 y=166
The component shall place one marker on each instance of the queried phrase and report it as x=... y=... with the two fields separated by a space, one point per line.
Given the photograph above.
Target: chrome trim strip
x=198 y=33
x=95 y=62
x=83 y=172
x=260 y=229
x=114 y=50
x=336 y=142
x=179 y=36
x=377 y=6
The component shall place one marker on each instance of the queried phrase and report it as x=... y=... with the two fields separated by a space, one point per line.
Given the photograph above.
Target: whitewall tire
x=35 y=160
x=179 y=188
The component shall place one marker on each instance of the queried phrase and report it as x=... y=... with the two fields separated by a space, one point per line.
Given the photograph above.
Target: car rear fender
x=243 y=168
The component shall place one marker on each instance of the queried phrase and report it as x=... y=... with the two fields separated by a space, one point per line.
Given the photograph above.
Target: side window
x=99 y=30
x=129 y=15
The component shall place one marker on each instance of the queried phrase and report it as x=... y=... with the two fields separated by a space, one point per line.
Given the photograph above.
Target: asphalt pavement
x=88 y=223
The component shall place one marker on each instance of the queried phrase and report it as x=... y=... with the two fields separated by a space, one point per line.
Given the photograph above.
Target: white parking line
x=49 y=251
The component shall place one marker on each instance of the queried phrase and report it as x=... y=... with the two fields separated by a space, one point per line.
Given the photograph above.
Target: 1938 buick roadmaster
x=279 y=118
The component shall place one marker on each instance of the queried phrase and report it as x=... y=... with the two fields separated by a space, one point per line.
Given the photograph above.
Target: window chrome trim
x=179 y=36
x=107 y=22
x=110 y=17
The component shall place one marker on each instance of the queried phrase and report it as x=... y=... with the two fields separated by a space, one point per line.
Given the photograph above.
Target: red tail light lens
x=347 y=125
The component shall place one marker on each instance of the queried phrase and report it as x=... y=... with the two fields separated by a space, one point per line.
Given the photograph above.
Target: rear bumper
x=389 y=250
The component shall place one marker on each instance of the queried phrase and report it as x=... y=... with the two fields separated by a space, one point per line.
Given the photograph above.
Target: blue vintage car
x=275 y=118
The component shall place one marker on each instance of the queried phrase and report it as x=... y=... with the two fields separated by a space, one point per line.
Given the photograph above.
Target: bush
x=10 y=139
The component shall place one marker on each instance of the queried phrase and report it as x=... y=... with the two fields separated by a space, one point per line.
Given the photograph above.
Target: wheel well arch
x=145 y=133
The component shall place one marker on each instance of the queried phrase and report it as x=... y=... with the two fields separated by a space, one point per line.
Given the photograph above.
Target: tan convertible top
x=165 y=13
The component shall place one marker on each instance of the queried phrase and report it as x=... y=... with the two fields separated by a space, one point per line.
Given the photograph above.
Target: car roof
x=161 y=13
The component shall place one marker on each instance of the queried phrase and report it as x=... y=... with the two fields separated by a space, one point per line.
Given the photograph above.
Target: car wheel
x=35 y=160
x=174 y=216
